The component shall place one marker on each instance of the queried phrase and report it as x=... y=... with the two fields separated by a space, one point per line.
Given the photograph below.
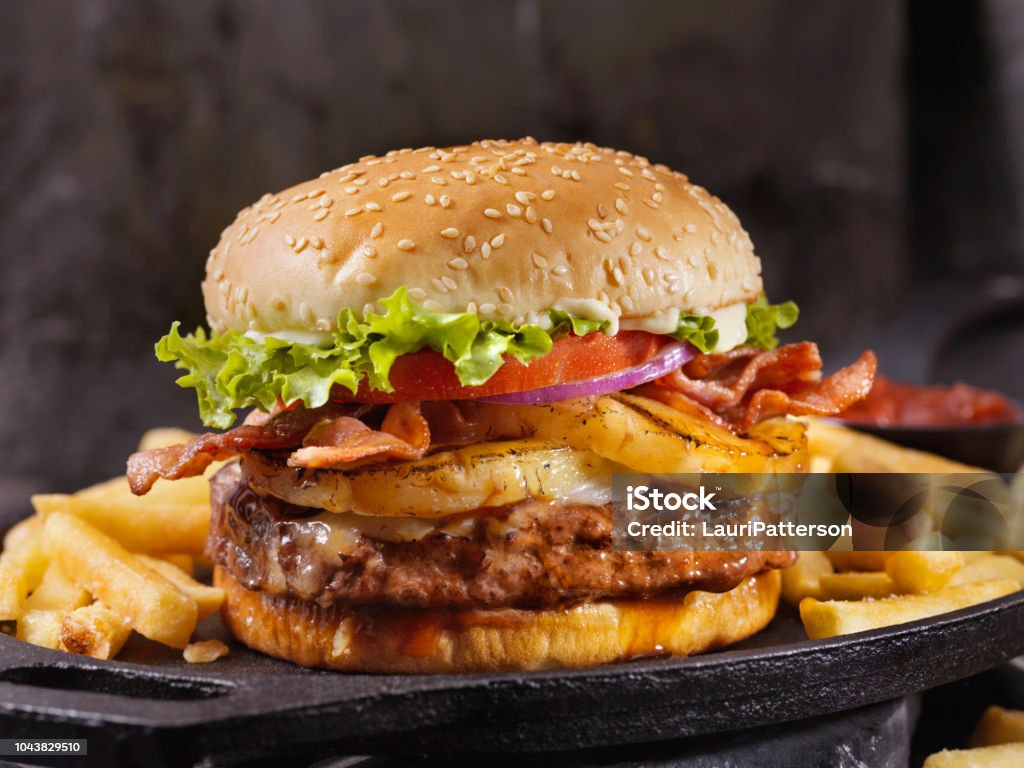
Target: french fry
x=990 y=566
x=857 y=585
x=802 y=579
x=917 y=572
x=971 y=555
x=188 y=490
x=187 y=563
x=171 y=528
x=94 y=630
x=57 y=592
x=204 y=651
x=153 y=606
x=23 y=552
x=868 y=560
x=208 y=599
x=12 y=592
x=853 y=451
x=1002 y=756
x=998 y=726
x=161 y=437
x=839 y=617
x=40 y=628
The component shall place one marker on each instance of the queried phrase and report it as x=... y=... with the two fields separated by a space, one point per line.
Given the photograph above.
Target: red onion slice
x=669 y=358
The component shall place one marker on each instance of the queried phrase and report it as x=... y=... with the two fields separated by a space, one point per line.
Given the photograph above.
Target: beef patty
x=528 y=555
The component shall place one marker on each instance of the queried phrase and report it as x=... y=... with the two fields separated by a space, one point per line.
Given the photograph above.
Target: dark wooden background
x=873 y=149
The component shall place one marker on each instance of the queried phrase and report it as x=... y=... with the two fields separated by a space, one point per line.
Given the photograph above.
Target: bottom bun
x=425 y=641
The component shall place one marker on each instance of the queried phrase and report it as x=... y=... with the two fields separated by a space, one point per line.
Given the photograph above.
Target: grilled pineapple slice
x=574 y=448
x=649 y=436
x=445 y=483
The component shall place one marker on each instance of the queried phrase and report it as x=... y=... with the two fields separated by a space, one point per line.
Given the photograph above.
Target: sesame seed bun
x=487 y=641
x=502 y=228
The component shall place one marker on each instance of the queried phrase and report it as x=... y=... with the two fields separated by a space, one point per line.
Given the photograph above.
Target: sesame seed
x=621 y=207
x=438 y=285
x=449 y=283
x=441 y=182
x=547 y=194
x=661 y=253
x=505 y=294
x=603 y=236
x=487 y=309
x=621 y=185
x=321 y=214
x=432 y=169
x=433 y=306
x=691 y=228
x=517 y=171
x=498 y=240
x=365 y=278
x=618 y=277
x=417 y=294
x=492 y=213
x=400 y=196
x=469 y=244
x=289 y=240
x=301 y=244
x=372 y=206
x=378 y=228
x=513 y=209
x=458 y=263
x=643 y=234
x=450 y=233
x=485 y=250
x=351 y=190
x=429 y=199
x=353 y=211
x=359 y=182
x=316 y=242
x=625 y=171
x=525 y=197
x=500 y=178
x=368 y=251
x=405 y=244
x=546 y=225
x=407 y=175
x=595 y=225
x=445 y=201
x=560 y=270
x=539 y=261
x=657 y=197
x=530 y=215
x=602 y=211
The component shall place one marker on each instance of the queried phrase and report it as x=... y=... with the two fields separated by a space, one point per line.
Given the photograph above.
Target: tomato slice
x=426 y=375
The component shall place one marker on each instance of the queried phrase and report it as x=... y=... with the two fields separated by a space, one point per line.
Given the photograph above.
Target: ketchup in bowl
x=891 y=403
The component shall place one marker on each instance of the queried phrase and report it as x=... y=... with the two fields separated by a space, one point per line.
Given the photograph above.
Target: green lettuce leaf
x=764 y=319
x=233 y=371
x=699 y=330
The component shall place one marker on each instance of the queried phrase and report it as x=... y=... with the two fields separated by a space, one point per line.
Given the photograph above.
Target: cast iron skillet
x=152 y=708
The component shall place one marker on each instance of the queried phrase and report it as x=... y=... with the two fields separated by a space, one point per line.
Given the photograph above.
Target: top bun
x=501 y=228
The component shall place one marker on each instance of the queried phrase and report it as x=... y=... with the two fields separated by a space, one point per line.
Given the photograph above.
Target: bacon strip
x=748 y=385
x=282 y=430
x=335 y=443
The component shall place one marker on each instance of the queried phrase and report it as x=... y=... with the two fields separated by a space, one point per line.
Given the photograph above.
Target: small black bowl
x=998 y=446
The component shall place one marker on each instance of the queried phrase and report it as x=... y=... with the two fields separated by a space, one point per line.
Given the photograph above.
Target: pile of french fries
x=91 y=567
x=842 y=592
x=997 y=742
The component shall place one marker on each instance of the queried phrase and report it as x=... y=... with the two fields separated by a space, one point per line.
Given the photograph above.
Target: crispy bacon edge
x=748 y=385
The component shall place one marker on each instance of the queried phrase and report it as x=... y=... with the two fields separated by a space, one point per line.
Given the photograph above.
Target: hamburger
x=447 y=353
